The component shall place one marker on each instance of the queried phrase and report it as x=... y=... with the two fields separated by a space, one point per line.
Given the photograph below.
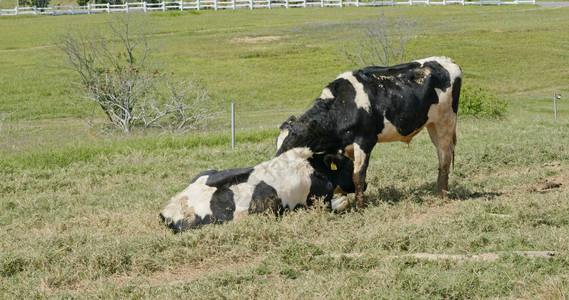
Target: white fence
x=232 y=4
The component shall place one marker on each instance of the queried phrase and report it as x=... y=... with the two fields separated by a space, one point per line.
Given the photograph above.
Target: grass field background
x=80 y=209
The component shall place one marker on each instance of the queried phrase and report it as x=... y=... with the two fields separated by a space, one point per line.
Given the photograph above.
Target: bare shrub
x=381 y=41
x=114 y=73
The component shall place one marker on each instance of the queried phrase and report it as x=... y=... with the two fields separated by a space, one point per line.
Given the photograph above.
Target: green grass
x=80 y=209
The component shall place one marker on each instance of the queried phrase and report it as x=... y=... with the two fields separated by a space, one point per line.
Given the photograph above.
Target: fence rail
x=232 y=4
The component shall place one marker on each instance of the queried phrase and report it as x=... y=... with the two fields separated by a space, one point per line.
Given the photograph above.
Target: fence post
x=17 y=11
x=250 y=4
x=555 y=98
x=53 y=10
x=144 y=6
x=269 y=4
x=286 y=3
x=198 y=3
x=108 y=8
x=233 y=4
x=127 y=9
x=35 y=10
x=88 y=8
x=163 y=6
x=181 y=4
x=72 y=9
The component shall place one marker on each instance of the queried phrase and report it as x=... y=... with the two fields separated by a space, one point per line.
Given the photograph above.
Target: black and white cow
x=285 y=182
x=382 y=104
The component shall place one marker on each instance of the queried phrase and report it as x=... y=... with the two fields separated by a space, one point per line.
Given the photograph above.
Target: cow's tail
x=456 y=86
x=454 y=142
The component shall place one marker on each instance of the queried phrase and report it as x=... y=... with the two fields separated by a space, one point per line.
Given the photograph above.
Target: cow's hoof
x=340 y=203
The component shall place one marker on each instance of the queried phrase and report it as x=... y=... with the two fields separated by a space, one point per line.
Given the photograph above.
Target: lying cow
x=382 y=104
x=286 y=182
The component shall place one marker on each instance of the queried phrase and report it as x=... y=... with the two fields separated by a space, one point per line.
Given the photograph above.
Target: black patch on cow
x=404 y=95
x=180 y=226
x=222 y=205
x=226 y=178
x=265 y=198
x=456 y=93
x=204 y=173
x=199 y=221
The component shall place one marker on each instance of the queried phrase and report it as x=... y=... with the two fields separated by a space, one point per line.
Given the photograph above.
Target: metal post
x=555 y=106
x=232 y=125
x=555 y=98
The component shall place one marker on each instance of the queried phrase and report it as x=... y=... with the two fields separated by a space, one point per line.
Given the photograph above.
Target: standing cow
x=382 y=104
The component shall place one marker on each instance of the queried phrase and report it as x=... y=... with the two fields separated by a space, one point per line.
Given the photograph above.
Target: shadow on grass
x=425 y=192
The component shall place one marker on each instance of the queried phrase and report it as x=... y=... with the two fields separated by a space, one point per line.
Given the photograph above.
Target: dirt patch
x=479 y=257
x=550 y=183
x=545 y=186
x=456 y=257
x=256 y=40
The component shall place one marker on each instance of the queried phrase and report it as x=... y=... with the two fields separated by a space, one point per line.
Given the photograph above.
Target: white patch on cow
x=326 y=94
x=172 y=211
x=389 y=133
x=439 y=112
x=242 y=194
x=362 y=99
x=195 y=198
x=282 y=136
x=447 y=63
x=199 y=196
x=289 y=174
x=339 y=203
x=359 y=158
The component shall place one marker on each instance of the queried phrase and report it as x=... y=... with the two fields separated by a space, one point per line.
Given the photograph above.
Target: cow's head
x=297 y=133
x=339 y=170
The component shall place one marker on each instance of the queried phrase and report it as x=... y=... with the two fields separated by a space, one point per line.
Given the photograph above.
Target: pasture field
x=80 y=209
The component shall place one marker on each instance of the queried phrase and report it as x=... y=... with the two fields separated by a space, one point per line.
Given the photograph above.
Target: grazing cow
x=285 y=182
x=381 y=104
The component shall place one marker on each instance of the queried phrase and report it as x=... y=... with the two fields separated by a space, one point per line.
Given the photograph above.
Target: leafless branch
x=380 y=42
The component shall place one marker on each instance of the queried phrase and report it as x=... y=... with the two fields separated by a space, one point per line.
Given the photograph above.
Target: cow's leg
x=361 y=162
x=444 y=139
